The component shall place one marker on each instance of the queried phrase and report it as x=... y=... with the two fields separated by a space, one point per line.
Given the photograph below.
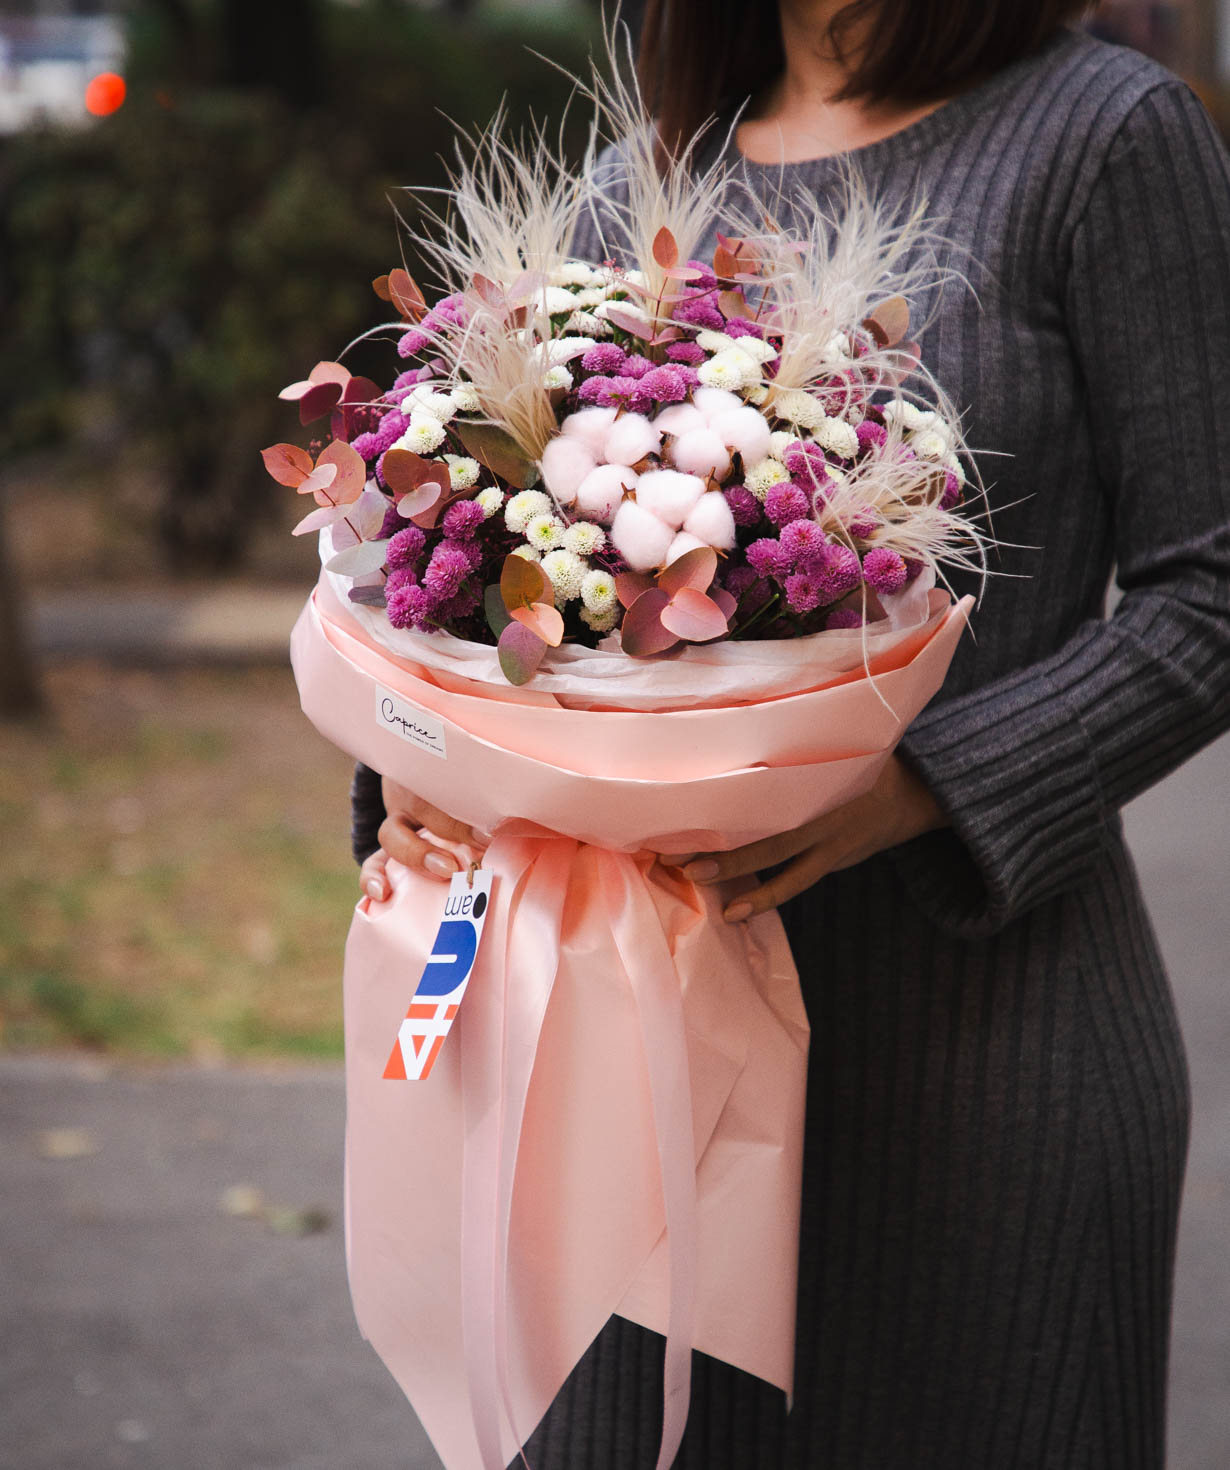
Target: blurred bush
x=168 y=269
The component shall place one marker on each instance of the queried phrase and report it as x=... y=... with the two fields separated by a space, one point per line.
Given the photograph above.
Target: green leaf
x=498 y=450
x=493 y=605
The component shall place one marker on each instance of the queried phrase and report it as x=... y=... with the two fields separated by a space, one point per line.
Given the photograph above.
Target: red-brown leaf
x=404 y=471
x=320 y=399
x=521 y=650
x=665 y=248
x=351 y=471
x=287 y=463
x=693 y=616
x=405 y=295
x=523 y=583
x=630 y=585
x=889 y=321
x=695 y=569
x=734 y=303
x=642 y=633
x=541 y=618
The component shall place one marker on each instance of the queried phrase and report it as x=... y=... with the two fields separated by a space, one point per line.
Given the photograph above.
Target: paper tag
x=446 y=974
x=410 y=723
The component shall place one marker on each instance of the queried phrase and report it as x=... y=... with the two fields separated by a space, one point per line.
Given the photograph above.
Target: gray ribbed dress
x=997 y=1103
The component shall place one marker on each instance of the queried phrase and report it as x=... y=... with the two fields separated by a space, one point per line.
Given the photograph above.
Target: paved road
x=143 y=1326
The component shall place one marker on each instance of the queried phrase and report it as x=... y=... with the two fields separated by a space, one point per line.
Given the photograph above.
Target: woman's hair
x=697 y=56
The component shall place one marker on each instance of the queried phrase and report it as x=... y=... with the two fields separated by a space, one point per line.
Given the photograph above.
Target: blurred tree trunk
x=20 y=694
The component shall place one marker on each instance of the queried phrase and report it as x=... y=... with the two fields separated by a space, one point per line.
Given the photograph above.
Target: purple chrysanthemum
x=743 y=504
x=864 y=523
x=664 y=385
x=392 y=426
x=706 y=281
x=624 y=393
x=785 y=503
x=805 y=544
x=399 y=579
x=766 y=559
x=884 y=570
x=687 y=352
x=391 y=524
x=463 y=604
x=952 y=491
x=463 y=518
x=805 y=462
x=403 y=381
x=411 y=343
x=803 y=591
x=364 y=445
x=701 y=311
x=446 y=571
x=844 y=617
x=409 y=606
x=592 y=389
x=605 y=357
x=870 y=434
x=739 y=579
x=739 y=326
x=913 y=568
x=405 y=546
x=842 y=573
x=636 y=367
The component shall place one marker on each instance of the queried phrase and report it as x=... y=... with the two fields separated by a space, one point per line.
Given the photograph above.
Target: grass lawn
x=174 y=870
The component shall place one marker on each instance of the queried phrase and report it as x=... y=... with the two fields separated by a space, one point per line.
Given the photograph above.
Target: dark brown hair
x=698 y=56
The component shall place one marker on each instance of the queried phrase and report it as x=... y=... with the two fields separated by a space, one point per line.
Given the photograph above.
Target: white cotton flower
x=904 y=413
x=837 y=437
x=583 y=538
x=588 y=324
x=439 y=406
x=527 y=553
x=600 y=622
x=757 y=349
x=929 y=444
x=794 y=406
x=545 y=532
x=462 y=472
x=779 y=441
x=424 y=435
x=490 y=501
x=564 y=349
x=709 y=341
x=465 y=396
x=523 y=507
x=557 y=300
x=598 y=591
x=763 y=475
x=567 y=573
x=557 y=377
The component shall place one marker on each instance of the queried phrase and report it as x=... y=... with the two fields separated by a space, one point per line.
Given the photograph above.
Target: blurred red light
x=105 y=94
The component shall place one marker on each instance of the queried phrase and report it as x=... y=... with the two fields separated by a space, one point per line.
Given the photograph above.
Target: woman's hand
x=401 y=837
x=896 y=808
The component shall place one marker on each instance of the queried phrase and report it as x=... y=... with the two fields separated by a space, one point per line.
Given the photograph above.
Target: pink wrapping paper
x=615 y=1123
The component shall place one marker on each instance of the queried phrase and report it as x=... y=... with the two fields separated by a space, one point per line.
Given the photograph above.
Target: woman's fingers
x=808 y=868
x=401 y=839
x=374 y=877
x=717 y=867
x=400 y=801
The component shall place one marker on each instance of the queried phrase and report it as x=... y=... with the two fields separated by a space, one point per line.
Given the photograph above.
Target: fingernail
x=375 y=889
x=736 y=912
x=701 y=872
x=440 y=864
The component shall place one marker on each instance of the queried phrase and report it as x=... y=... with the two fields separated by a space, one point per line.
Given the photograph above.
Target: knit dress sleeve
x=1032 y=768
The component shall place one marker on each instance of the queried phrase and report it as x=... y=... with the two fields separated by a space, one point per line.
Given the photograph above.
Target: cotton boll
x=565 y=463
x=669 y=495
x=640 y=537
x=713 y=401
x=701 y=452
x=631 y=437
x=682 y=543
x=711 y=520
x=599 y=494
x=680 y=418
x=745 y=430
x=590 y=426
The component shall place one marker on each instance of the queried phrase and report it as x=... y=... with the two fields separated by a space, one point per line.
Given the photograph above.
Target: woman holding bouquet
x=997 y=1105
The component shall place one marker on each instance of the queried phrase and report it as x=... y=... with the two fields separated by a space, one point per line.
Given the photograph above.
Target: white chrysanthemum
x=527 y=553
x=440 y=406
x=837 y=437
x=424 y=435
x=600 y=622
x=598 y=591
x=523 y=507
x=929 y=444
x=490 y=501
x=794 y=406
x=747 y=367
x=564 y=349
x=759 y=351
x=722 y=372
x=623 y=308
x=465 y=396
x=575 y=273
x=593 y=296
x=545 y=531
x=756 y=394
x=837 y=348
x=583 y=538
x=567 y=572
x=587 y=324
x=904 y=413
x=709 y=341
x=462 y=472
x=951 y=462
x=638 y=278
x=558 y=377
x=557 y=300
x=779 y=441
x=763 y=475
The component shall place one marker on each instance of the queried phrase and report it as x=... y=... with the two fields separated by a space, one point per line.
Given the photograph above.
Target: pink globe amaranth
x=636 y=366
x=593 y=390
x=951 y=497
x=884 y=570
x=803 y=592
x=739 y=579
x=744 y=506
x=785 y=503
x=463 y=518
x=871 y=435
x=842 y=572
x=411 y=343
x=665 y=385
x=640 y=537
x=447 y=570
x=806 y=545
x=410 y=606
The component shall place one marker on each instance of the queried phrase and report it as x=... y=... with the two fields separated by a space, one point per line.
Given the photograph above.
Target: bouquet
x=636 y=558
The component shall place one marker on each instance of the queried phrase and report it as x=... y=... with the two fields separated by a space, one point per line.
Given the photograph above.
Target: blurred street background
x=194 y=196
